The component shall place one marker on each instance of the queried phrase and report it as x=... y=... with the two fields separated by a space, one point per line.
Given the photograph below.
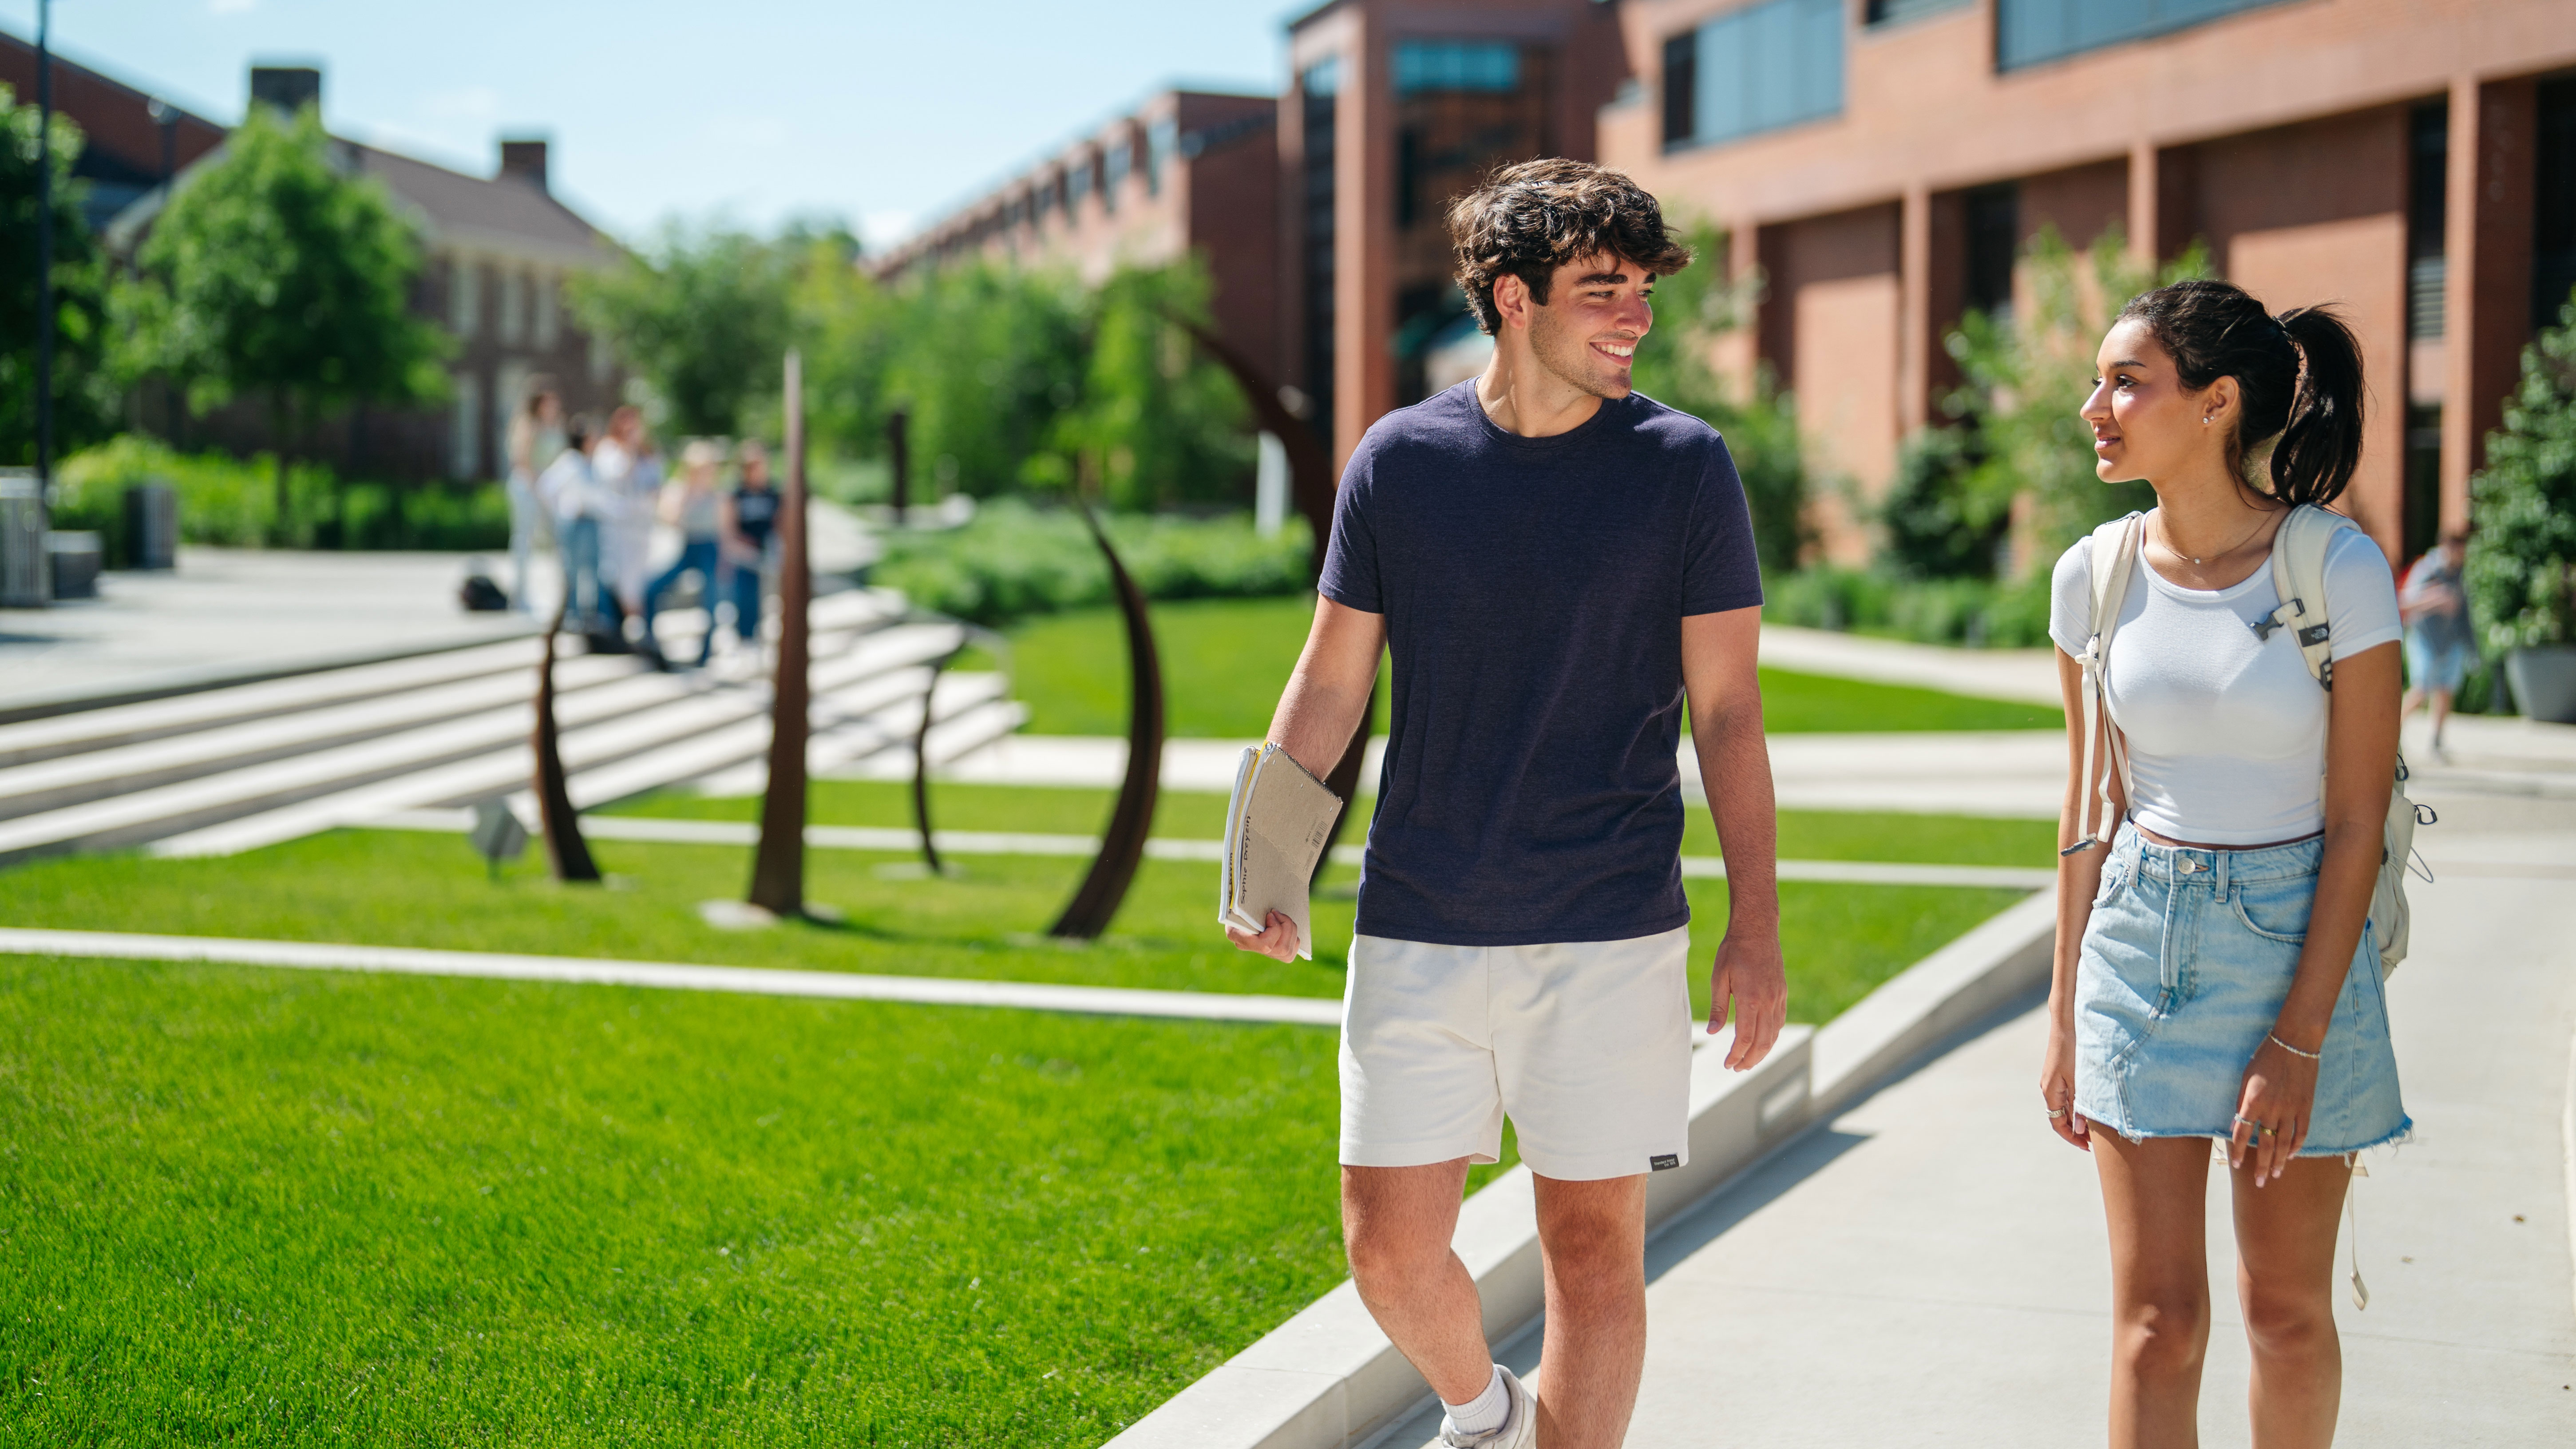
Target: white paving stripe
x=987 y=842
x=837 y=985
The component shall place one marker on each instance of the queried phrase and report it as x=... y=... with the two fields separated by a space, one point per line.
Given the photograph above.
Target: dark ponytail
x=2299 y=373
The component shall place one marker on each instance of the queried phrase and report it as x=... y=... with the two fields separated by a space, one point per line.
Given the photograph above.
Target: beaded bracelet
x=2294 y=1051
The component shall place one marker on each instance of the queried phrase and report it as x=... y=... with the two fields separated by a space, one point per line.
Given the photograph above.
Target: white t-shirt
x=2226 y=733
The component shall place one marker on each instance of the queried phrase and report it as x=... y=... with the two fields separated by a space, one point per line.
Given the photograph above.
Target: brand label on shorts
x=1663 y=1161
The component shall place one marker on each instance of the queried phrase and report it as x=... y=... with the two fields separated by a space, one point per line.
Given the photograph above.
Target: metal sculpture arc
x=565 y=849
x=1122 y=846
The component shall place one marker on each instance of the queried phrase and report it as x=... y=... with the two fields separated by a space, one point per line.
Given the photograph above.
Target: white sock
x=1484 y=1413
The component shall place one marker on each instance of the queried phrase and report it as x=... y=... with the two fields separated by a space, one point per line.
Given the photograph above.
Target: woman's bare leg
x=2285 y=1248
x=2156 y=1196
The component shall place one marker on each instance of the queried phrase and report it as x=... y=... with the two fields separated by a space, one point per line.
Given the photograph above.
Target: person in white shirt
x=536 y=437
x=571 y=490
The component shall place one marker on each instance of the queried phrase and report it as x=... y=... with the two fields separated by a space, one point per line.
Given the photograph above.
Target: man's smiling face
x=1596 y=313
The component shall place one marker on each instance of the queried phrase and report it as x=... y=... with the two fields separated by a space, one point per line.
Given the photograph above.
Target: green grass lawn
x=269 y=1207
x=275 y=1207
x=404 y=888
x=1224 y=661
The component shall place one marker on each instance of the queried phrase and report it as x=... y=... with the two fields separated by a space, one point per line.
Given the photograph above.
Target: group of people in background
x=599 y=491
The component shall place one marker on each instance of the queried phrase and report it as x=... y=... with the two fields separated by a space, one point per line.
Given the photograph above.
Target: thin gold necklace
x=2196 y=561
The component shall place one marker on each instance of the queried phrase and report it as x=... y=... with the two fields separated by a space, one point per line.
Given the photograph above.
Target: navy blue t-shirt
x=1534 y=590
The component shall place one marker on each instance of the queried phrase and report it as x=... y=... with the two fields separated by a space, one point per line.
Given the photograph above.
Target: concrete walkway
x=1929 y=1267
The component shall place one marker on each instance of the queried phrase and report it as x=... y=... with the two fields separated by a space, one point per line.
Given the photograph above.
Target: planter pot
x=2544 y=682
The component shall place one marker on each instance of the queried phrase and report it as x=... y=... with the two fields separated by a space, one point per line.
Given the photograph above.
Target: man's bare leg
x=1396 y=1227
x=1592 y=1239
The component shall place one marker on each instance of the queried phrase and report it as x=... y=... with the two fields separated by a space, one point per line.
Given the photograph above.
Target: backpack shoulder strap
x=2114 y=561
x=2299 y=577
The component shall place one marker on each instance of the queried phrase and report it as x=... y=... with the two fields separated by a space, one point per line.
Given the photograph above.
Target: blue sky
x=880 y=112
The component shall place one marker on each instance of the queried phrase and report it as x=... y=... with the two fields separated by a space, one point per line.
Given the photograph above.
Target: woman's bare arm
x=2079 y=879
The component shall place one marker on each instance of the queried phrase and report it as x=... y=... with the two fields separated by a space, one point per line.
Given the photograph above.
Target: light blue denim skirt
x=2185 y=964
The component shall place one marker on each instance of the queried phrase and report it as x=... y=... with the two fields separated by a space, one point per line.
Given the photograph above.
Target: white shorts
x=1586 y=1045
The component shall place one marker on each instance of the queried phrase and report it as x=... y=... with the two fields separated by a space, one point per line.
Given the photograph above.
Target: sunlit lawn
x=1224 y=661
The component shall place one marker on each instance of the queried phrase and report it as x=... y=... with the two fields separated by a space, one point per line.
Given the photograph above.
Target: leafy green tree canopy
x=2524 y=502
x=84 y=394
x=700 y=313
x=275 y=272
x=1693 y=308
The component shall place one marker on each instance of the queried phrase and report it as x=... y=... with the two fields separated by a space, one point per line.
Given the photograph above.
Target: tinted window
x=2030 y=31
x=1758 y=69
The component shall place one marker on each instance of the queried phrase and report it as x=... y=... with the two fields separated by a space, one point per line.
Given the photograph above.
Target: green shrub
x=1979 y=613
x=1015 y=561
x=1939 y=523
x=2524 y=501
x=232 y=503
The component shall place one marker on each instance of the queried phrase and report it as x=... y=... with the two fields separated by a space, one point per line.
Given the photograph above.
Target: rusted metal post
x=565 y=848
x=778 y=869
x=1123 y=845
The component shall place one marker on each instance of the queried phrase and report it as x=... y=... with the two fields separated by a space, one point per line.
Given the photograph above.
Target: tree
x=2026 y=380
x=274 y=272
x=1160 y=423
x=701 y=313
x=84 y=393
x=2524 y=502
x=1693 y=308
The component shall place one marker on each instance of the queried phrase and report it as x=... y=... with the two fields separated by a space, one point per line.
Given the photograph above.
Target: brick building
x=1186 y=171
x=497 y=252
x=2412 y=161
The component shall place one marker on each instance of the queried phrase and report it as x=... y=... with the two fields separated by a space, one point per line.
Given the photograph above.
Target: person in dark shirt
x=1560 y=567
x=749 y=518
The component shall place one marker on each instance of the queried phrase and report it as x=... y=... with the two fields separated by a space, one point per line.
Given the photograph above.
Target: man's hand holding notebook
x=1275 y=829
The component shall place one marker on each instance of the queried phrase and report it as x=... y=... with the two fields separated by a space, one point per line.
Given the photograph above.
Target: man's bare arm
x=1719 y=655
x=1318 y=713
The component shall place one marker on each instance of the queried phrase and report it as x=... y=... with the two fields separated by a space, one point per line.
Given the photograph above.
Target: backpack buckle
x=2313 y=635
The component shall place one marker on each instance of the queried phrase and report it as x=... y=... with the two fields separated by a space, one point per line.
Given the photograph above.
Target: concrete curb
x=1329 y=1379
x=2567 y=1146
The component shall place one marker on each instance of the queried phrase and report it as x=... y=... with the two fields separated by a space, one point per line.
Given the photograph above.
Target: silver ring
x=2057 y=1112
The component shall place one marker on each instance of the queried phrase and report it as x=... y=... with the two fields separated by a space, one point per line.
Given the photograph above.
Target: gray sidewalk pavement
x=1929 y=1268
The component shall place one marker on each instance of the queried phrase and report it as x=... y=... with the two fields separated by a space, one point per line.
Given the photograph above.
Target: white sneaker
x=1520 y=1423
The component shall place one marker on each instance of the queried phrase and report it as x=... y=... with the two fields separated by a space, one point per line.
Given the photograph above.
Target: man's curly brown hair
x=1529 y=219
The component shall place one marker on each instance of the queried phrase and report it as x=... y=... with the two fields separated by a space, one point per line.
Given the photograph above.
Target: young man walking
x=1558 y=565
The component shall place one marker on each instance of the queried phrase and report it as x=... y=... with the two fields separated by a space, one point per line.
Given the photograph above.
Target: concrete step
x=128 y=724
x=626 y=713
x=658 y=746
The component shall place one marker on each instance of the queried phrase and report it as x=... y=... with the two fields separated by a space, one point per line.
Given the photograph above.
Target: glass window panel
x=1456 y=65
x=2028 y=32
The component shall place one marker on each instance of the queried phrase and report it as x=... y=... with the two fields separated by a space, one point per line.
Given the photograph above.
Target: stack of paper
x=1275 y=829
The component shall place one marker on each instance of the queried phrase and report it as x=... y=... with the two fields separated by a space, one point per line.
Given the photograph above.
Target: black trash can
x=76 y=560
x=151 y=526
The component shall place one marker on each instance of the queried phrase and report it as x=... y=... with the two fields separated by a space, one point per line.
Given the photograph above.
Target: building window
x=464 y=296
x=513 y=321
x=1758 y=69
x=2028 y=32
x=1160 y=143
x=1077 y=185
x=1897 y=12
x=1117 y=167
x=465 y=427
x=1456 y=65
x=1994 y=243
x=2427 y=218
x=1318 y=86
x=2553 y=258
x=549 y=311
x=1681 y=88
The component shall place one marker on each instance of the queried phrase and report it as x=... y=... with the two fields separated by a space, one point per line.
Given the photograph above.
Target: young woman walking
x=2217 y=979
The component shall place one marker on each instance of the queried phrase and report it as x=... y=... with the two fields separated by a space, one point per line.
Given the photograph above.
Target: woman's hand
x=2279 y=1094
x=1278 y=938
x=2057 y=1087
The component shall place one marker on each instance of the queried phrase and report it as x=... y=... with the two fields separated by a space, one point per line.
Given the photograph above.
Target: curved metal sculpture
x=1311 y=483
x=778 y=869
x=565 y=848
x=921 y=763
x=1122 y=846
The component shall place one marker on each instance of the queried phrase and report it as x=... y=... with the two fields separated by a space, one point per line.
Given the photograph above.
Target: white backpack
x=2299 y=576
